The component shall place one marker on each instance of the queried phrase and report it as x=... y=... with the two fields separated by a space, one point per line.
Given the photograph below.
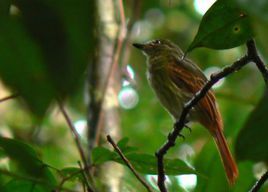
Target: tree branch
x=8 y=97
x=260 y=182
x=76 y=138
x=254 y=57
x=178 y=126
x=128 y=164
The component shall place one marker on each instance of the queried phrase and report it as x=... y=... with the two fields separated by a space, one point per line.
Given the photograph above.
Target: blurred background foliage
x=48 y=60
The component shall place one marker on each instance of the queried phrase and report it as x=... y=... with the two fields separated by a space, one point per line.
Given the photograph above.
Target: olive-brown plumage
x=175 y=81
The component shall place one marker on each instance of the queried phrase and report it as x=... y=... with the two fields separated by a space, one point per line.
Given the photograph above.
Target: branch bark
x=260 y=182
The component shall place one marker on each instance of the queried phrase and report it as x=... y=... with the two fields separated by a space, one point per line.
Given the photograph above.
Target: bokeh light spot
x=187 y=181
x=131 y=72
x=201 y=6
x=128 y=97
x=209 y=71
x=81 y=126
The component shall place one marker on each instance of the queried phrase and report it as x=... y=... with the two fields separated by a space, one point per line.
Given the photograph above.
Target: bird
x=175 y=79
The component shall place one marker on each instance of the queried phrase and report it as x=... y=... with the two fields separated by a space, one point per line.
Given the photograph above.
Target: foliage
x=52 y=42
x=218 y=32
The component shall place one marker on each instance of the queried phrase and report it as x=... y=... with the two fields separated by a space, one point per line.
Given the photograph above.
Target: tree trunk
x=104 y=84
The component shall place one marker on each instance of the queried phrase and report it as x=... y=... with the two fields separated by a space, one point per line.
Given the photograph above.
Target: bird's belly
x=169 y=95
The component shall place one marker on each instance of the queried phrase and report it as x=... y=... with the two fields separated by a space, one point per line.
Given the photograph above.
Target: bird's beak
x=139 y=46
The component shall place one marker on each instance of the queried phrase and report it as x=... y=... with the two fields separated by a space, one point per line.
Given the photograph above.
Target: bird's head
x=158 y=46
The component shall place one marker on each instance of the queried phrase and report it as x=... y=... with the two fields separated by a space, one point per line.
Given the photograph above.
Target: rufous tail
x=226 y=156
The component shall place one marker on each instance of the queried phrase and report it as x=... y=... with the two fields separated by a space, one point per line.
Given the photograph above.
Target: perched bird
x=175 y=80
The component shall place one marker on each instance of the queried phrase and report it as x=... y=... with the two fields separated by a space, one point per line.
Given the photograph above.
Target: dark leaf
x=45 y=49
x=64 y=32
x=27 y=159
x=4 y=8
x=23 y=186
x=223 y=26
x=251 y=143
x=22 y=67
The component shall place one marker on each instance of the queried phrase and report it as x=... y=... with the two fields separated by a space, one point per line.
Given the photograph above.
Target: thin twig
x=260 y=182
x=85 y=177
x=76 y=136
x=127 y=162
x=178 y=126
x=9 y=97
x=254 y=56
x=70 y=177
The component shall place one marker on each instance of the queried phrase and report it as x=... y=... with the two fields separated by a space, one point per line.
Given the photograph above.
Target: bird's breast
x=169 y=95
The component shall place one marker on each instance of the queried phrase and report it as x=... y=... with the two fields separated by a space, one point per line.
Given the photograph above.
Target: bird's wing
x=189 y=82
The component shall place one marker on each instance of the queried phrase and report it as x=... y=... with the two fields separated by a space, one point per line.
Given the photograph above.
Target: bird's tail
x=226 y=156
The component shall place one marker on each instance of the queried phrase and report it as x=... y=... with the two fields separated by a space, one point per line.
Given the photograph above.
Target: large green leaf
x=4 y=7
x=45 y=49
x=63 y=30
x=27 y=159
x=208 y=163
x=223 y=26
x=246 y=178
x=147 y=164
x=22 y=66
x=144 y=163
x=251 y=143
x=23 y=186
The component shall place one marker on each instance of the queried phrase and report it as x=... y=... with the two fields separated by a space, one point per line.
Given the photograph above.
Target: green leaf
x=101 y=155
x=22 y=67
x=246 y=178
x=45 y=49
x=123 y=145
x=27 y=159
x=223 y=26
x=147 y=164
x=4 y=8
x=72 y=173
x=66 y=49
x=251 y=142
x=143 y=163
x=23 y=186
x=208 y=163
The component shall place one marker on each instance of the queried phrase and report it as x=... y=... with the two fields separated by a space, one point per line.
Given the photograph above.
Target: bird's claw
x=189 y=128
x=182 y=136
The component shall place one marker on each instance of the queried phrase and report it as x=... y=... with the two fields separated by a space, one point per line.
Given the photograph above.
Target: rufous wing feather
x=209 y=117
